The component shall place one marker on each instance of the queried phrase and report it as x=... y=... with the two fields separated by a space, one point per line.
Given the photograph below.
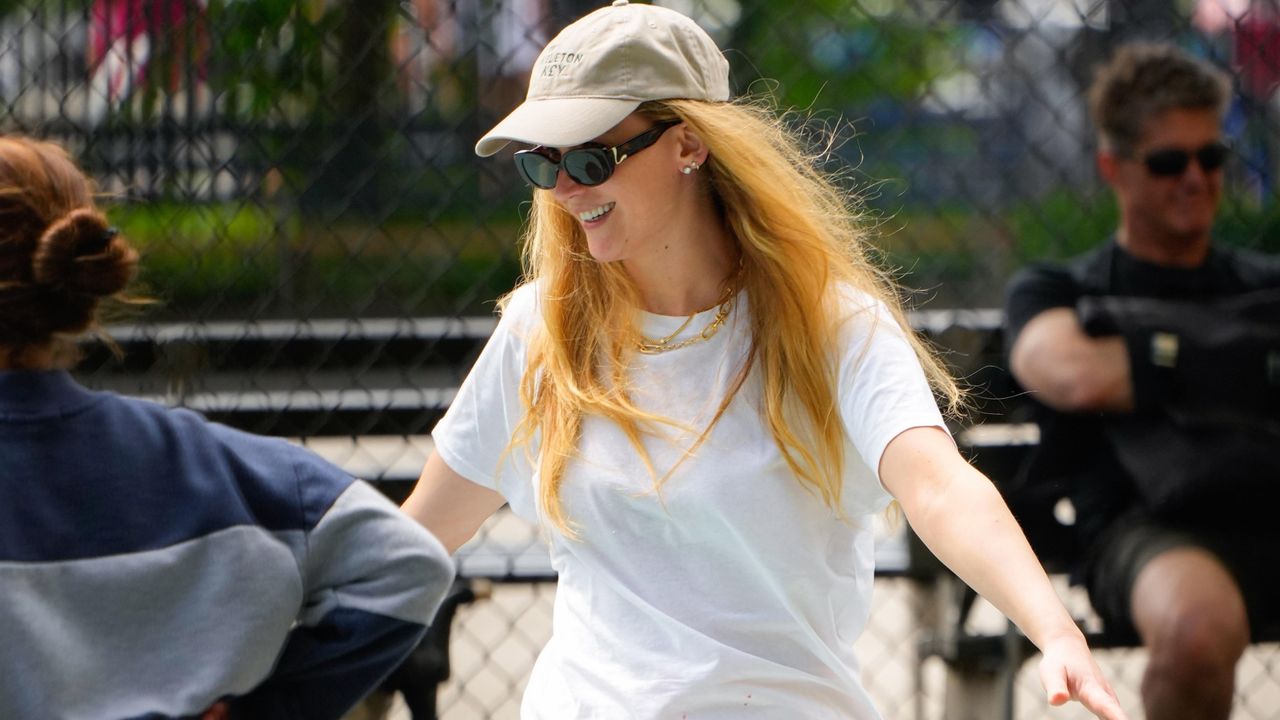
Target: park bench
x=364 y=394
x=357 y=390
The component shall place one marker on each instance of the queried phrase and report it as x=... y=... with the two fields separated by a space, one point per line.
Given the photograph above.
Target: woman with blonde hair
x=705 y=393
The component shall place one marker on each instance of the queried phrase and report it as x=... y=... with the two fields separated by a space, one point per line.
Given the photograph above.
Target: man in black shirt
x=1153 y=362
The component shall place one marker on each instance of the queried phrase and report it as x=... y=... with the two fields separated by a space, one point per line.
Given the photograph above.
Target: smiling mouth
x=596 y=213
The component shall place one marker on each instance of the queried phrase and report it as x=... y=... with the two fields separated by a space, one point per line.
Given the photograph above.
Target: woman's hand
x=1069 y=672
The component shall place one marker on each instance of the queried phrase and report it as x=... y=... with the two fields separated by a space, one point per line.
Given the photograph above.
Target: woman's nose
x=566 y=186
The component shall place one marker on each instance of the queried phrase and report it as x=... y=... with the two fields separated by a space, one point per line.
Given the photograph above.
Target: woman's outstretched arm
x=961 y=517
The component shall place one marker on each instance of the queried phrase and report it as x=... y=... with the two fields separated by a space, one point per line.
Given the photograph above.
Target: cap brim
x=557 y=122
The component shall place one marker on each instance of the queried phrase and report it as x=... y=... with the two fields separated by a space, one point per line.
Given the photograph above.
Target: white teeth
x=590 y=215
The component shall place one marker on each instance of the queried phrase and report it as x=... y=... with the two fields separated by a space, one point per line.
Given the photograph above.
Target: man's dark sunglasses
x=590 y=164
x=1172 y=162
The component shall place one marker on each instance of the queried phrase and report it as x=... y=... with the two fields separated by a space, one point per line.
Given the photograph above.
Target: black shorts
x=1252 y=557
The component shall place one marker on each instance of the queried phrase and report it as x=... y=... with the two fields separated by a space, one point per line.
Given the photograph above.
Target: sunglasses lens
x=1173 y=162
x=1212 y=156
x=1168 y=162
x=588 y=166
x=536 y=169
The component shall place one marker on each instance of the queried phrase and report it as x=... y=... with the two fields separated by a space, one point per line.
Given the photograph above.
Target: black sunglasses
x=590 y=164
x=1172 y=162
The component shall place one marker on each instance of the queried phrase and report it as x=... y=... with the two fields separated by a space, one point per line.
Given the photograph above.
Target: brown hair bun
x=80 y=253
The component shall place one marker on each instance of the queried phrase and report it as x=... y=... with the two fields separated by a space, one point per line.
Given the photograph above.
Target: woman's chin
x=603 y=251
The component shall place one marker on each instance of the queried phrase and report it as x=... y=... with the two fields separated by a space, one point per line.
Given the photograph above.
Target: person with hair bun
x=704 y=394
x=155 y=564
x=59 y=256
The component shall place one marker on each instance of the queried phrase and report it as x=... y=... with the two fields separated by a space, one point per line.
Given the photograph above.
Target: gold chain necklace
x=657 y=347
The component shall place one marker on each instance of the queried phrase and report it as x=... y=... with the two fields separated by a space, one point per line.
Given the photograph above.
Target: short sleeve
x=1033 y=290
x=474 y=435
x=882 y=392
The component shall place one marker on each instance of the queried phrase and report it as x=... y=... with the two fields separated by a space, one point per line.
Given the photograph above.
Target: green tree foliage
x=272 y=56
x=836 y=53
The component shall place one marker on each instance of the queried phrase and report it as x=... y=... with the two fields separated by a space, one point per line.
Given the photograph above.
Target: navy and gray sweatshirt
x=153 y=563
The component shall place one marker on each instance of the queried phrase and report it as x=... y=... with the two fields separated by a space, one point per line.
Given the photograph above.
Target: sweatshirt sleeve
x=373 y=580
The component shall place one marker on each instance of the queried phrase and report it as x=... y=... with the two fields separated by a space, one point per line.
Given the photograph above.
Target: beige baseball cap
x=598 y=70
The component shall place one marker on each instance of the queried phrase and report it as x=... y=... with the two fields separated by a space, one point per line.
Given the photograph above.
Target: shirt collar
x=33 y=394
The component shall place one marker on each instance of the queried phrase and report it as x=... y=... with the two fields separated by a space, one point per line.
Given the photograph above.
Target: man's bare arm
x=1068 y=370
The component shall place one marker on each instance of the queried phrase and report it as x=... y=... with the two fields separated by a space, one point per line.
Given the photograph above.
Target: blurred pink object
x=1255 y=34
x=123 y=36
x=1216 y=16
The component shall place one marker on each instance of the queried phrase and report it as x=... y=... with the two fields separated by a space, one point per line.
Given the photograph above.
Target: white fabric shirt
x=732 y=593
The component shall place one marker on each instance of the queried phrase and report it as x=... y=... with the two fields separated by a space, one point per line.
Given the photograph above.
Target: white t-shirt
x=733 y=593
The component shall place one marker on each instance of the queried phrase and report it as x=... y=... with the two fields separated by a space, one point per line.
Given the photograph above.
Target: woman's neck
x=688 y=274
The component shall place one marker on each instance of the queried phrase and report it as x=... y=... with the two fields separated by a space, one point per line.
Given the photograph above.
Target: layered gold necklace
x=649 y=346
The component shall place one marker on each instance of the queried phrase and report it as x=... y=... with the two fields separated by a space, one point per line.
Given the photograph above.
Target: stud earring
x=688 y=169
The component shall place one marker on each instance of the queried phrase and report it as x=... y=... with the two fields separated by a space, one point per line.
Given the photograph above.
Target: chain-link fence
x=300 y=159
x=325 y=249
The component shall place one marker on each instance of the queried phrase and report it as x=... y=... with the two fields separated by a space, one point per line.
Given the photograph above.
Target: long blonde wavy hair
x=800 y=236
